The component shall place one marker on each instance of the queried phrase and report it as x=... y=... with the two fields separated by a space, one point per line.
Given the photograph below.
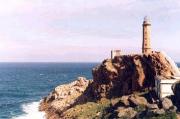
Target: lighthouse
x=146 y=46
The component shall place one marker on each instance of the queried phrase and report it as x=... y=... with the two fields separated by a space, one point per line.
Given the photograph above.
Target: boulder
x=127 y=113
x=158 y=111
x=166 y=103
x=153 y=109
x=124 y=100
x=114 y=102
x=136 y=100
x=152 y=106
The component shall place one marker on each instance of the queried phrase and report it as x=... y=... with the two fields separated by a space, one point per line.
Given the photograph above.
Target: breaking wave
x=31 y=111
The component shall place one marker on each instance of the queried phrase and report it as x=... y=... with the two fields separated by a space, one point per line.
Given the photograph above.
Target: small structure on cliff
x=146 y=46
x=163 y=85
x=115 y=53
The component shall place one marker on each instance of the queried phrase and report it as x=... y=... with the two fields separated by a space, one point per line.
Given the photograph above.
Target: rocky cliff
x=128 y=73
x=113 y=78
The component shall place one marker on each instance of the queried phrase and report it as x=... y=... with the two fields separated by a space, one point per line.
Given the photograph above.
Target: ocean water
x=22 y=85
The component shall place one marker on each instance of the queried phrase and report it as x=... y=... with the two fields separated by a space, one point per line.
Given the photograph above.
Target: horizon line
x=57 y=62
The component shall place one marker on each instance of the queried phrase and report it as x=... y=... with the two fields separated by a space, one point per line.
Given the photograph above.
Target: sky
x=85 y=30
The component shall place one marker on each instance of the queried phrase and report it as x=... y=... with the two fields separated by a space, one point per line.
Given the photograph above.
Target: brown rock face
x=127 y=73
x=63 y=97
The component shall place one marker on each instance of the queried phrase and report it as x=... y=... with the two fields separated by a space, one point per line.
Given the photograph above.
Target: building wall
x=146 y=46
x=115 y=53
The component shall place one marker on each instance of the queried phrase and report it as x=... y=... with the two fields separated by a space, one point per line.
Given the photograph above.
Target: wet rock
x=166 y=103
x=127 y=113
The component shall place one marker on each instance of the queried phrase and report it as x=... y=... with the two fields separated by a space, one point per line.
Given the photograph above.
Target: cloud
x=38 y=29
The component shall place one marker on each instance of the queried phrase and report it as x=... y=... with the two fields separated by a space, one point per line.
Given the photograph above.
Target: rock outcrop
x=113 y=79
x=63 y=97
x=128 y=73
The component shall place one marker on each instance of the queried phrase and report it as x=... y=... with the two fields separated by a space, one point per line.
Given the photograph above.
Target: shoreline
x=31 y=111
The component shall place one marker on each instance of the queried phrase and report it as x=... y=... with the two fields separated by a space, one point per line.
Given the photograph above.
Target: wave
x=31 y=111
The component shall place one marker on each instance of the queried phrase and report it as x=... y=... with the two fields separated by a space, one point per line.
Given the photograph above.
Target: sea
x=23 y=85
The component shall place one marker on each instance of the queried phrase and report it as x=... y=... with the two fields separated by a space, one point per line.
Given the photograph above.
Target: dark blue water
x=21 y=83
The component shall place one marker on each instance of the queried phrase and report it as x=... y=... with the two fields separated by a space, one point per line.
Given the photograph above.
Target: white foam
x=31 y=111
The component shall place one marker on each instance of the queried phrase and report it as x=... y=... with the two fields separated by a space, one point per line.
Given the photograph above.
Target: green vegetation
x=89 y=110
x=140 y=108
x=104 y=110
x=164 y=116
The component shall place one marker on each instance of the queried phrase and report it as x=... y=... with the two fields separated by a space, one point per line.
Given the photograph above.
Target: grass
x=89 y=110
x=164 y=116
x=104 y=110
x=140 y=108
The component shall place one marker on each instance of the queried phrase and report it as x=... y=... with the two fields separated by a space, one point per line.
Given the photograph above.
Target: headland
x=123 y=86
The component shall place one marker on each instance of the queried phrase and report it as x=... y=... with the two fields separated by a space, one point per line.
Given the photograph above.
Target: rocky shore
x=63 y=97
x=122 y=87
